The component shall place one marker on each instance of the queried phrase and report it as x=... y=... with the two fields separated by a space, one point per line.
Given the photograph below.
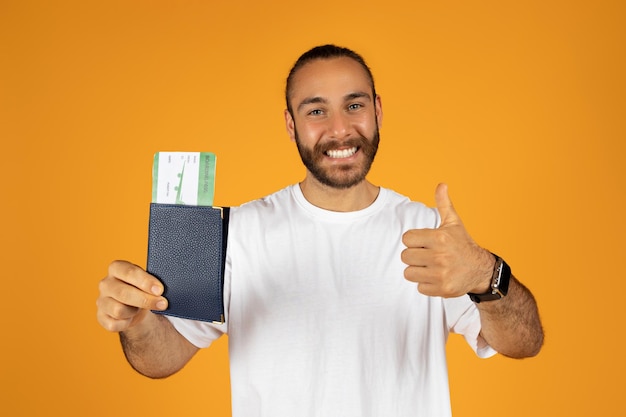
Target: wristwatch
x=499 y=283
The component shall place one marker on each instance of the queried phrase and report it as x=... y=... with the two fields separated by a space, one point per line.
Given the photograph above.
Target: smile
x=343 y=153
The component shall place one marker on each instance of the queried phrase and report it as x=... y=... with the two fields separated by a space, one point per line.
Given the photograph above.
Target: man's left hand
x=446 y=262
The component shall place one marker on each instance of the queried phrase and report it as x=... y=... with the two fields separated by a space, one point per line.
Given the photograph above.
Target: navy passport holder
x=187 y=251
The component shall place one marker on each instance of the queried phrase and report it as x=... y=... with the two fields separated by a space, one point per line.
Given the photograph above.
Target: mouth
x=341 y=153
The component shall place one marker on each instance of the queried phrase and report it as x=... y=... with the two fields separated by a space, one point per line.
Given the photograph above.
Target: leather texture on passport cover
x=186 y=251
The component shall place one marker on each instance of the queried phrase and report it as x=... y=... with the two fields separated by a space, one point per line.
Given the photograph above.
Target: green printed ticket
x=186 y=178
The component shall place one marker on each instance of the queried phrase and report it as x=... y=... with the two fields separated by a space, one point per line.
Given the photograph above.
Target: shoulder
x=403 y=207
x=276 y=201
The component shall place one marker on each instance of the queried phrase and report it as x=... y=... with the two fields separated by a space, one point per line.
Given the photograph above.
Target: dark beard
x=340 y=177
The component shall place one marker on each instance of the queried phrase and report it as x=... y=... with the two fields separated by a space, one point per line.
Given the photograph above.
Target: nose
x=339 y=125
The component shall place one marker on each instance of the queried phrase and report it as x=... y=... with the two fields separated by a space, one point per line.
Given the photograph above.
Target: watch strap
x=499 y=282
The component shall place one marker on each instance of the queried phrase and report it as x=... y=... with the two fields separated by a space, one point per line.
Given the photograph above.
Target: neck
x=354 y=198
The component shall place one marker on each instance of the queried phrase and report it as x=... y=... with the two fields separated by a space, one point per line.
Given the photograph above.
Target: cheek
x=365 y=128
x=308 y=133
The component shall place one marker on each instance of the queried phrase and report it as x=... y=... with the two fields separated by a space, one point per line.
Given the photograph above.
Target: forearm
x=512 y=325
x=154 y=348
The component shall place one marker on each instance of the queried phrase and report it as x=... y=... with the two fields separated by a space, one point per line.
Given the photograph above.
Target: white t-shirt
x=320 y=318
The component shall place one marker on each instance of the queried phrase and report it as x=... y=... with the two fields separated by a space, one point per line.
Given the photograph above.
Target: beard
x=340 y=176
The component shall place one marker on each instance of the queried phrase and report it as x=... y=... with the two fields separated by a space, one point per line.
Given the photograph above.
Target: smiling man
x=334 y=118
x=337 y=129
x=322 y=311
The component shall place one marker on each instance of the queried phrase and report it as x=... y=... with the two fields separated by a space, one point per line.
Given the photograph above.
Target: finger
x=429 y=281
x=429 y=289
x=130 y=295
x=112 y=325
x=414 y=273
x=114 y=316
x=418 y=257
x=115 y=309
x=419 y=238
x=426 y=283
x=135 y=276
x=444 y=205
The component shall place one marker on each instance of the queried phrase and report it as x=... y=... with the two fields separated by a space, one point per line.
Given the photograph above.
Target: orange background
x=519 y=106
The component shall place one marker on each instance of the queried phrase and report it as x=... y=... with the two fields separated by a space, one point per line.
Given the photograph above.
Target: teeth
x=343 y=153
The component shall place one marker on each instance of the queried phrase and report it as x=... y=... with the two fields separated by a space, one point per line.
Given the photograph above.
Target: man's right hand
x=127 y=294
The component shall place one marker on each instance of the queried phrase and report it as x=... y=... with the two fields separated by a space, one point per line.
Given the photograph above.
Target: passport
x=187 y=242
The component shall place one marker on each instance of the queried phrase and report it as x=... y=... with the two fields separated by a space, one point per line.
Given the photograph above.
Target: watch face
x=495 y=284
x=504 y=276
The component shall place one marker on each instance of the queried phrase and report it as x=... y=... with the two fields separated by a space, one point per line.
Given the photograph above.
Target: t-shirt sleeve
x=201 y=334
x=463 y=318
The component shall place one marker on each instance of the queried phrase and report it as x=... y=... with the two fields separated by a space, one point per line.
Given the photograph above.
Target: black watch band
x=499 y=282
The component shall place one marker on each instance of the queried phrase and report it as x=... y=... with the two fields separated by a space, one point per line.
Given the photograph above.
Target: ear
x=379 y=110
x=290 y=125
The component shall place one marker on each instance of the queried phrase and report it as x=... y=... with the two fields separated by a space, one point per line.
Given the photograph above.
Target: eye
x=354 y=106
x=315 y=112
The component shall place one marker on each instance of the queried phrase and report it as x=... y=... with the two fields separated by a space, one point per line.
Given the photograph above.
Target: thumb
x=444 y=205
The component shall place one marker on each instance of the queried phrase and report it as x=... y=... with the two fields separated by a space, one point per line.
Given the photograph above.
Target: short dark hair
x=325 y=52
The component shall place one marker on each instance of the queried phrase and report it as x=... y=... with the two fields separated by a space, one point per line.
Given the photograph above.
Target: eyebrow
x=358 y=94
x=311 y=100
x=347 y=97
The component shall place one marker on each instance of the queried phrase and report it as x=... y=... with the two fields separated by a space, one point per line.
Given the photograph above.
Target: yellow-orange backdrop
x=519 y=106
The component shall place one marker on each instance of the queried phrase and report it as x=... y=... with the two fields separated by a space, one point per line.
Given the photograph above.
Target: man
x=321 y=308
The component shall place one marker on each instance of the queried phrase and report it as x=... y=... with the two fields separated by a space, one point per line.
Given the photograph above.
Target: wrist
x=499 y=282
x=484 y=272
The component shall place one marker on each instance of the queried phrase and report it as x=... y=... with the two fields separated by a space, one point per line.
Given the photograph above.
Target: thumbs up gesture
x=446 y=262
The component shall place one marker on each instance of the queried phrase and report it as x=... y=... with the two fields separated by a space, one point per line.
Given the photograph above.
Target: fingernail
x=156 y=290
x=161 y=305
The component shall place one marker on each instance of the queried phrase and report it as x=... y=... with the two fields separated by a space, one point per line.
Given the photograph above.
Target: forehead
x=328 y=77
